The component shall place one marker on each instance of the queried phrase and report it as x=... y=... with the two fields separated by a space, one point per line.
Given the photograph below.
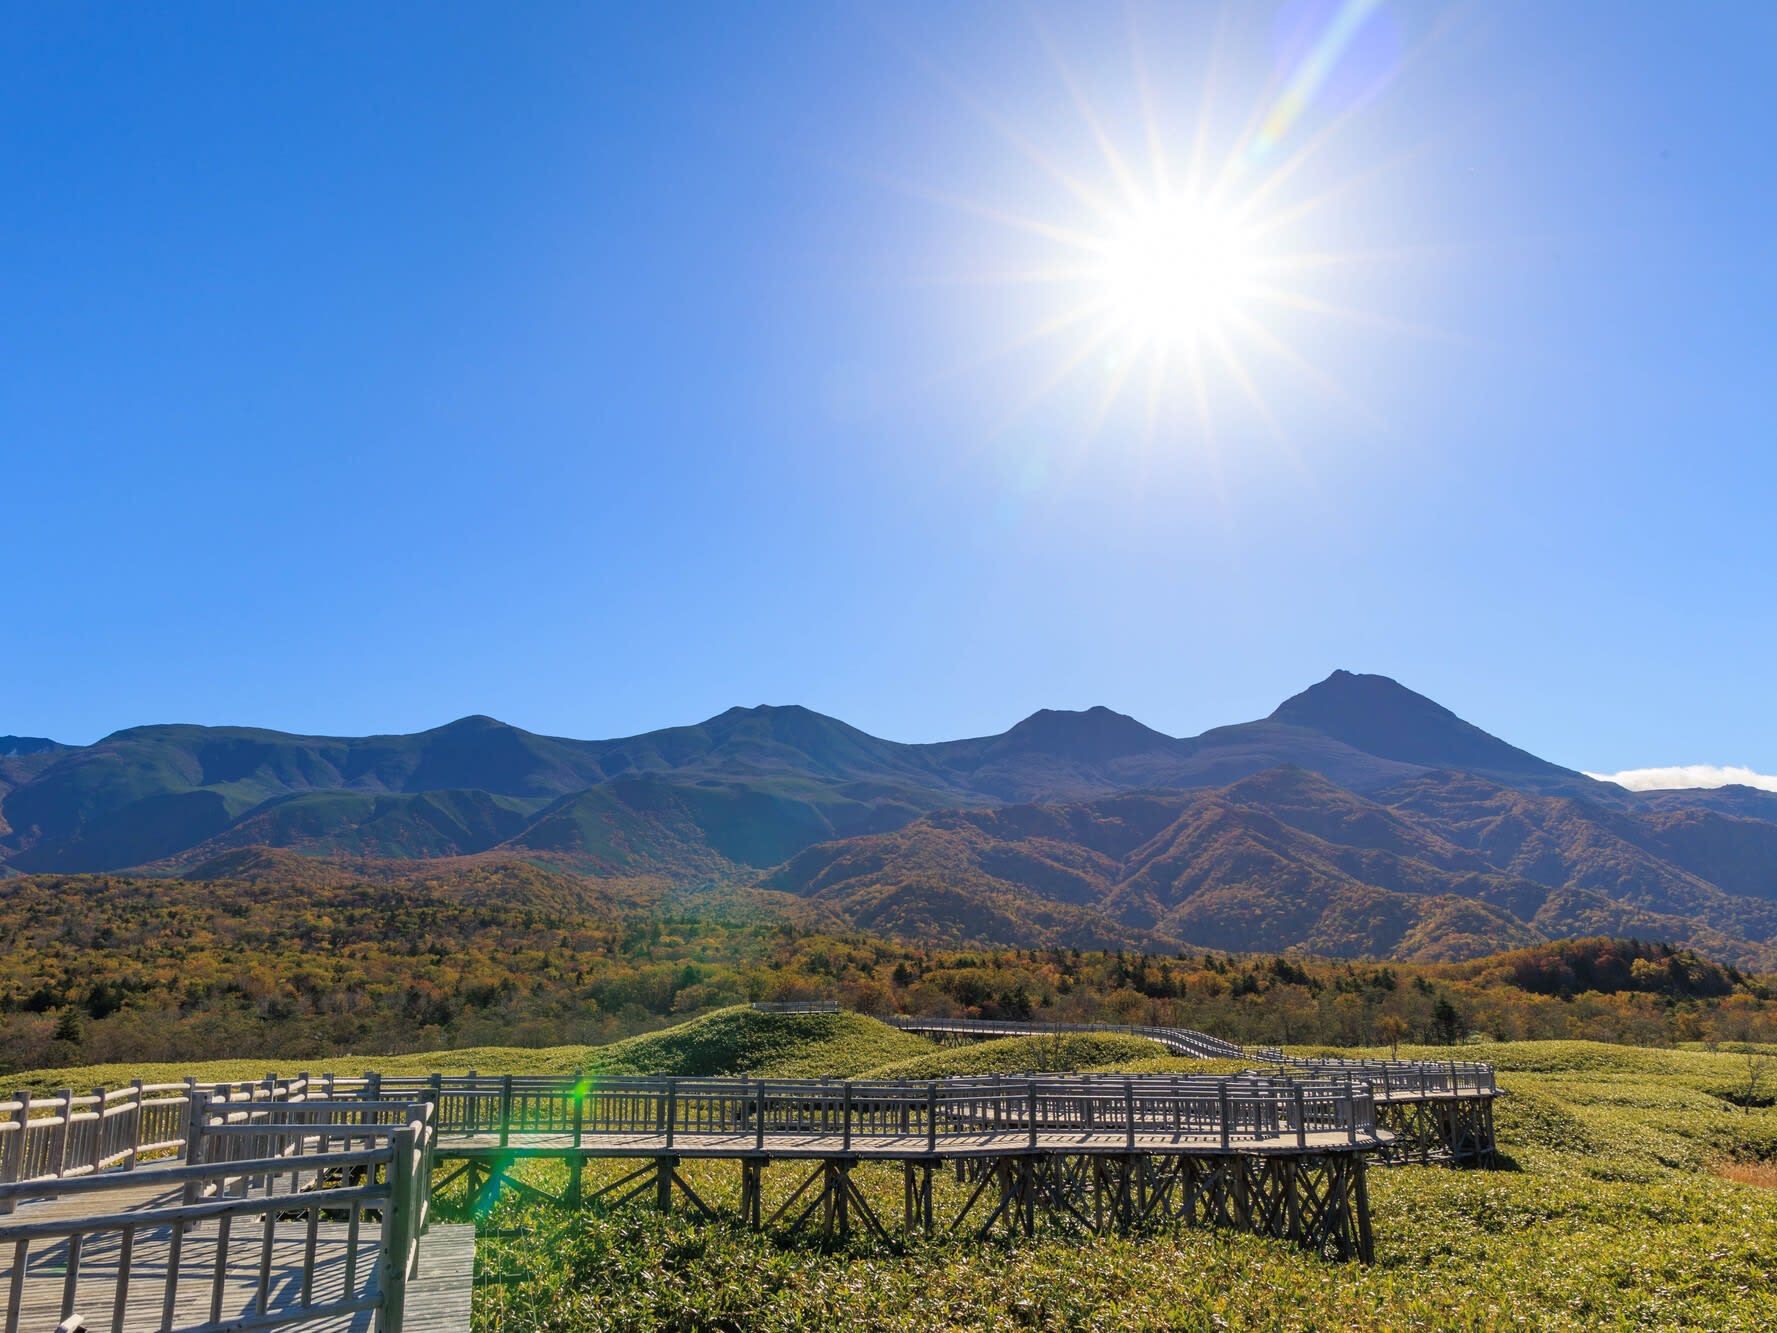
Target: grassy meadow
x=1636 y=1195
x=1615 y=1211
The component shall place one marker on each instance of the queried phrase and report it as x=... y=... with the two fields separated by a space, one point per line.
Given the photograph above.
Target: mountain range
x=1359 y=818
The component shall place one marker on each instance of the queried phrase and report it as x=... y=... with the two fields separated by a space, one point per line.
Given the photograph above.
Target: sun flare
x=1185 y=255
x=1177 y=272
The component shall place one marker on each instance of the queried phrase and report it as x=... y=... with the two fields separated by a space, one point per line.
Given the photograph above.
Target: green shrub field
x=1612 y=1210
x=1609 y=1214
x=746 y=1041
x=1074 y=1051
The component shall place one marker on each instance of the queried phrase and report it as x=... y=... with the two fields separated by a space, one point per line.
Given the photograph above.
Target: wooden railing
x=1418 y=1078
x=68 y=1135
x=302 y=1180
x=72 y=1134
x=1230 y=1111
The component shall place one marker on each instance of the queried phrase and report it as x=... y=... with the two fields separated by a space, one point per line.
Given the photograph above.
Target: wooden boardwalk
x=305 y=1203
x=1180 y=1041
x=887 y=1148
x=287 y=1213
x=267 y=1284
x=1273 y=1156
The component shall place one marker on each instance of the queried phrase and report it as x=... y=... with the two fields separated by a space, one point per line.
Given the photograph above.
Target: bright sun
x=1178 y=272
x=1184 y=265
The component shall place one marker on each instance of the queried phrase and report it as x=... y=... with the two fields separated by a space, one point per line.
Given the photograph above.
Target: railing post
x=398 y=1230
x=1031 y=1089
x=505 y=1109
x=190 y=1101
x=1222 y=1093
x=1350 y=1113
x=1301 y=1117
x=759 y=1118
x=58 y=1153
x=373 y=1086
x=1129 y=1114
x=931 y=1115
x=129 y=1163
x=672 y=1108
x=98 y=1152
x=12 y=1147
x=195 y=1110
x=845 y=1113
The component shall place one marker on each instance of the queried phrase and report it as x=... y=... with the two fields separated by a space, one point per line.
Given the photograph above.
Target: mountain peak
x=1091 y=736
x=1346 y=695
x=1380 y=716
x=475 y=722
x=14 y=747
x=766 y=711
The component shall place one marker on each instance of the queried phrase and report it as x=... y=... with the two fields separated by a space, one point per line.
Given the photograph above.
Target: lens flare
x=1310 y=73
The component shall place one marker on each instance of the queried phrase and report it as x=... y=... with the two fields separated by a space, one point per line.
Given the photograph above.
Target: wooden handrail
x=72 y=1134
x=338 y=1183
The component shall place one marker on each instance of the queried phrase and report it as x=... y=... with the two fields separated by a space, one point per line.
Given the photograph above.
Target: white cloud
x=1688 y=775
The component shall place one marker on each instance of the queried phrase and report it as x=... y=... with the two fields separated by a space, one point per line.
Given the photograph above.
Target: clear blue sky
x=366 y=366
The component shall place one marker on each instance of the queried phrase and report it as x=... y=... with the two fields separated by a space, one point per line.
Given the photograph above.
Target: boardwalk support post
x=399 y=1227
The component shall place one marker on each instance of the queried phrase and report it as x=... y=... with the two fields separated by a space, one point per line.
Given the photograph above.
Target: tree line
x=105 y=968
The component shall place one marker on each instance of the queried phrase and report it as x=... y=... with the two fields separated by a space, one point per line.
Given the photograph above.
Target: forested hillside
x=103 y=968
x=1443 y=866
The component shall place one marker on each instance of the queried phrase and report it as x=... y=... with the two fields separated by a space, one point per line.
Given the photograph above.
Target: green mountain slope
x=1359 y=817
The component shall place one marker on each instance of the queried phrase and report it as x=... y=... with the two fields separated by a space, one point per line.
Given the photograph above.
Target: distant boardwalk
x=305 y=1202
x=1180 y=1041
x=1436 y=1111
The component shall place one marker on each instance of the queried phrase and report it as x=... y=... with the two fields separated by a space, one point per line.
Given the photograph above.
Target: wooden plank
x=438 y=1297
x=96 y=1295
x=896 y=1147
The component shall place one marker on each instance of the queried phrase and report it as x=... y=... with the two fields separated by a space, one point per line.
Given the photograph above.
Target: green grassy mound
x=739 y=1040
x=745 y=1041
x=1026 y=1055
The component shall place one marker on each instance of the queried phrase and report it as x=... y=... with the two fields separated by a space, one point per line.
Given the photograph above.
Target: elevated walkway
x=1180 y=1041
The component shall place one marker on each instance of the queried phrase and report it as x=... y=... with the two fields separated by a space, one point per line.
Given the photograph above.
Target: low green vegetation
x=741 y=1040
x=737 y=1040
x=1624 y=1203
x=1612 y=1212
x=1074 y=1051
x=481 y=1059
